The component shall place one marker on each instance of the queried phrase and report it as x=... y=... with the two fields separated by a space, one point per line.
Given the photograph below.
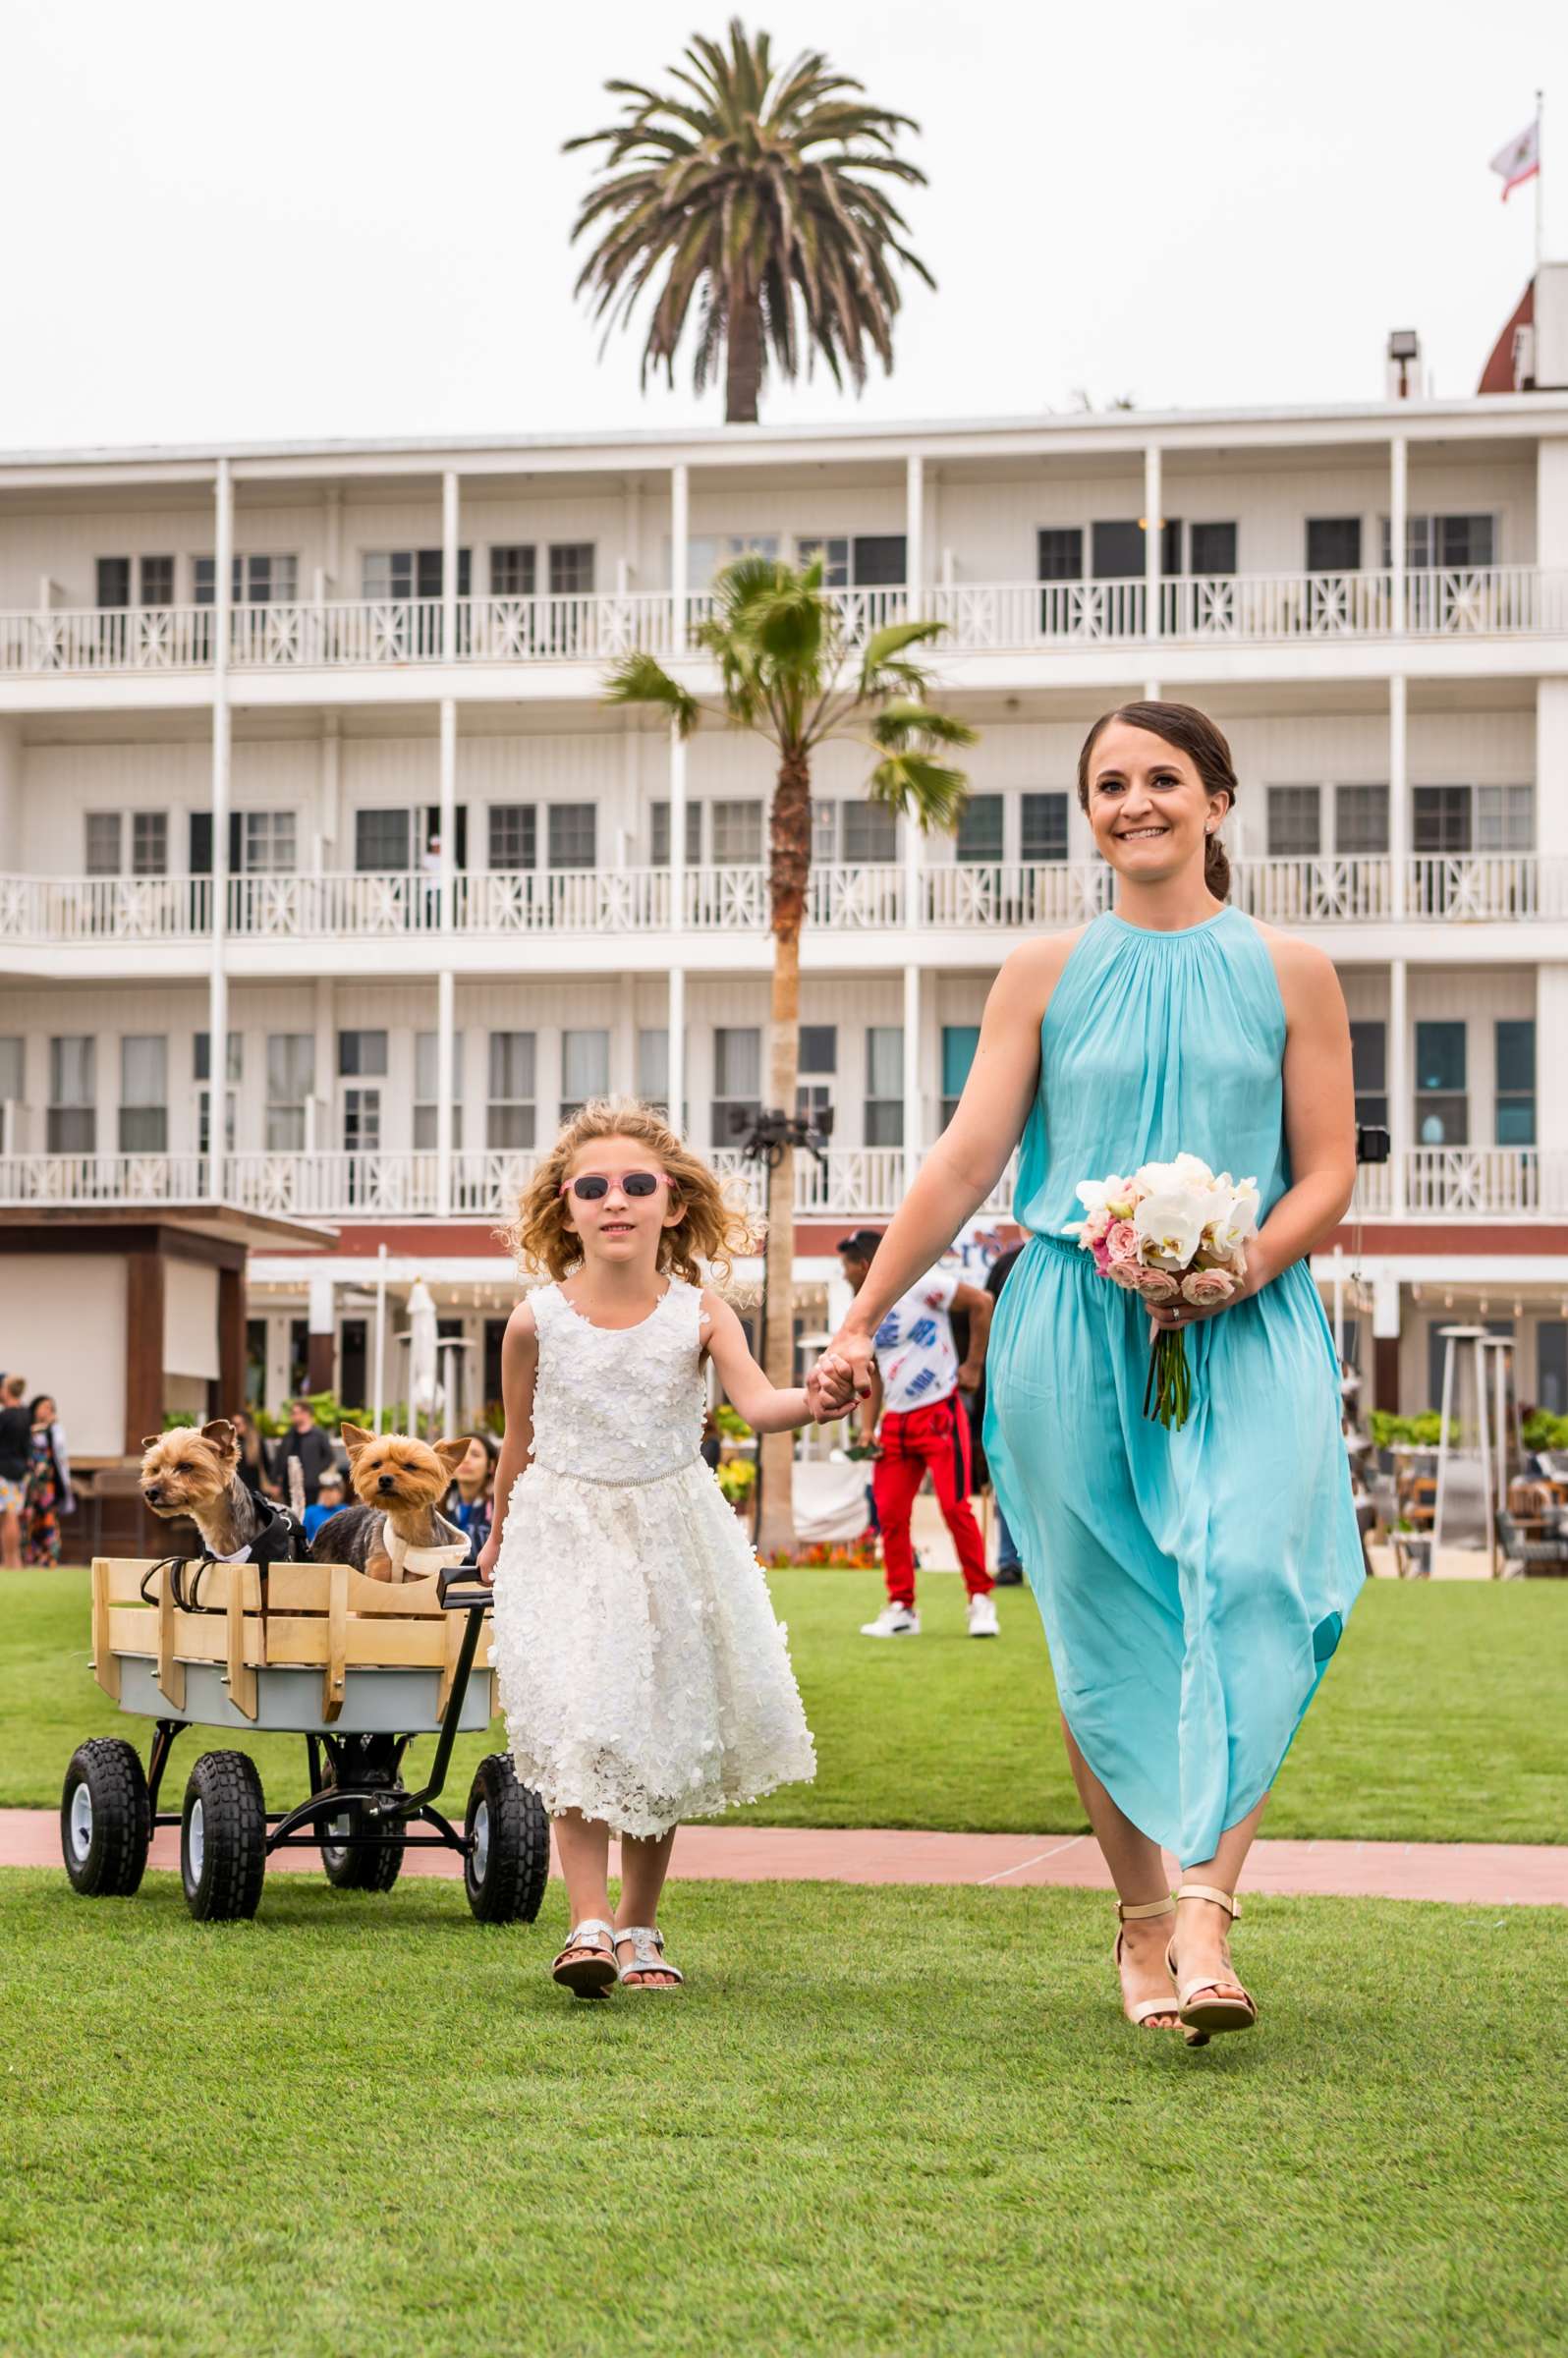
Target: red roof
x=1498 y=374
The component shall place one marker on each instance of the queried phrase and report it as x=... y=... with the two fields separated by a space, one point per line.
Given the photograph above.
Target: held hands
x=829 y=1390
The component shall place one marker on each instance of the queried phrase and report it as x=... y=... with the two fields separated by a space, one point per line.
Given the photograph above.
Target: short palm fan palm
x=761 y=195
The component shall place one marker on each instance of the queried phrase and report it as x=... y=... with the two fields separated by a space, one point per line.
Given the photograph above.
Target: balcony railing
x=1478 y=601
x=1498 y=1182
x=959 y=896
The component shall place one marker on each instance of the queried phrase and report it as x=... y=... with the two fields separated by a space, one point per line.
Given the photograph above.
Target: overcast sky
x=324 y=217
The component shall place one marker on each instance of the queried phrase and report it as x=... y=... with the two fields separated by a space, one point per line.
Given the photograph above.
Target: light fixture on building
x=1484 y=1305
x=1448 y=1301
x=1519 y=1309
x=1415 y=1293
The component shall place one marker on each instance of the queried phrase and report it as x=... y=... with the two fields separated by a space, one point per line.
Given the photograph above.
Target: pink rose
x=1203 y=1288
x=1153 y=1284
x=1101 y=1258
x=1121 y=1241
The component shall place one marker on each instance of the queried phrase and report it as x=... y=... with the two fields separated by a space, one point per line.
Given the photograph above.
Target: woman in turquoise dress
x=1193 y=1582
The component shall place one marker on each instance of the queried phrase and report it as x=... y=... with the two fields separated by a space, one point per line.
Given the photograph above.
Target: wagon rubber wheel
x=223 y=1838
x=105 y=1819
x=349 y=1869
x=506 y=1871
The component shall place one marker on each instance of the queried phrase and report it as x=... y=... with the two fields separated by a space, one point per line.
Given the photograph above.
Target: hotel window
x=584 y=1069
x=1360 y=821
x=150 y=843
x=659 y=835
x=1505 y=819
x=514 y=570
x=1042 y=827
x=571 y=568
x=870 y=833
x=817 y=1064
x=959 y=1043
x=884 y=1085
x=11 y=1070
x=1515 y=1107
x=735 y=833
x=1446 y=541
x=1295 y=822
x=72 y=1122
x=1369 y=1064
x=143 y=1093
x=858 y=561
x=1333 y=543
x=1211 y=548
x=654 y=1068
x=574 y=835
x=514 y=835
x=1552 y=1367
x=258 y=581
x=1060 y=553
x=362 y=1055
x=980 y=827
x=103 y=843
x=707 y=557
x=381 y=841
x=737 y=1082
x=426 y=1098
x=291 y=1078
x=1442 y=819
x=1443 y=1106
x=396 y=574
x=201 y=1074
x=509 y=1121
x=267 y=844
x=154 y=580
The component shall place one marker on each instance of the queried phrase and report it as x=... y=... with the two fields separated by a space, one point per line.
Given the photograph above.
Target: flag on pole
x=1520 y=160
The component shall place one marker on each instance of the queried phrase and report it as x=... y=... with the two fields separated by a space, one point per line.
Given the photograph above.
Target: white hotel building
x=302 y=746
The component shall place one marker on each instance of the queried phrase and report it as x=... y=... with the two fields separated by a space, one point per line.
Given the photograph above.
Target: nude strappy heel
x=1140 y=2012
x=1212 y=2002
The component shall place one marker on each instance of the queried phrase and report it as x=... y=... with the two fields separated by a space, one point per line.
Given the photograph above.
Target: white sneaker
x=893 y=1621
x=983 y=1621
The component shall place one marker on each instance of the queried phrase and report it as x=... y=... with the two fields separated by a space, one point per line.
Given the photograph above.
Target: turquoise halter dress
x=1193 y=1584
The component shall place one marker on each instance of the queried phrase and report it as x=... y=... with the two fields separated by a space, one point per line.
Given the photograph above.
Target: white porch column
x=320 y=1104
x=326 y=833
x=1154 y=545
x=448 y=810
x=914 y=1114
x=677 y=1050
x=1399 y=1096
x=334 y=538
x=445 y=1001
x=449 y=563
x=1398 y=511
x=914 y=528
x=680 y=554
x=677 y=751
x=1551 y=1101
x=218 y=981
x=1398 y=796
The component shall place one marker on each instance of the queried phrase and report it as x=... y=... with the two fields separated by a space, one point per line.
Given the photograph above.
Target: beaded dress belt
x=631 y=1481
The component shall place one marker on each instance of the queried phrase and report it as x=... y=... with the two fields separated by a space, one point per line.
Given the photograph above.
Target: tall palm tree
x=790 y=672
x=759 y=193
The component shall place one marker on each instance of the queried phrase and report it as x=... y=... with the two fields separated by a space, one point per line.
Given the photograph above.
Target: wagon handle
x=454 y=1599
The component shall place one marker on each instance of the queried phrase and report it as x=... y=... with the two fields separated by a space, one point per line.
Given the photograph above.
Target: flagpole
x=1540 y=185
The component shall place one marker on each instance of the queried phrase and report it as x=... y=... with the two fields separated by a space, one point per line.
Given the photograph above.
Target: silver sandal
x=587 y=1965
x=648 y=1957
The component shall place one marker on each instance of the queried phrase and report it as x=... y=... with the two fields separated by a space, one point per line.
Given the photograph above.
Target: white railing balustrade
x=107 y=639
x=1483 y=885
x=726 y=900
x=1498 y=1181
x=103 y=1178
x=1374 y=1199
x=608 y=900
x=45 y=909
x=295 y=908
x=333 y=1186
x=488 y=1180
x=847 y=1180
x=1485 y=602
x=1018 y=893
x=1313 y=891
x=855 y=900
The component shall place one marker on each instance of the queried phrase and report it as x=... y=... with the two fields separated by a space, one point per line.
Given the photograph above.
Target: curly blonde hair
x=710 y=1231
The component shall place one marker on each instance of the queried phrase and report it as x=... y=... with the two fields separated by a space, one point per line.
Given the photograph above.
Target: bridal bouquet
x=1172 y=1232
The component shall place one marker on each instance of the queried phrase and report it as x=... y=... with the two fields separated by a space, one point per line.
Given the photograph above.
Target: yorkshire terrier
x=399 y=1482
x=197 y=1474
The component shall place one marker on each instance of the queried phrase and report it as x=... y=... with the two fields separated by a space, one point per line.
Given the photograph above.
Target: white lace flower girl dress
x=643 y=1675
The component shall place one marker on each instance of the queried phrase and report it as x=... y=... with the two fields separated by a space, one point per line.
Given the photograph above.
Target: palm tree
x=789 y=672
x=761 y=192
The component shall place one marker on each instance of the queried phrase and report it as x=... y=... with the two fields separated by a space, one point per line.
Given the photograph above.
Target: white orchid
x=1235 y=1219
x=1170 y=1225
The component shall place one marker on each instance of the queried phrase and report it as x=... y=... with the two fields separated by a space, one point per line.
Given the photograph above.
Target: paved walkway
x=1489 y=1874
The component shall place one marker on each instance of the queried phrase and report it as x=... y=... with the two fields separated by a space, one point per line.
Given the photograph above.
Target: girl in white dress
x=642 y=1672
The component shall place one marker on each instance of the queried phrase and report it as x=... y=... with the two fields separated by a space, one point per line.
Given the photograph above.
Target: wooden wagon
x=357 y=1666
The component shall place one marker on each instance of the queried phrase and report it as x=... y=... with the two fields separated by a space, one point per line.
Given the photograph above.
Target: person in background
x=1009 y=1570
x=330 y=1495
x=712 y=1446
x=253 y=1452
x=921 y=1421
x=469 y=1504
x=15 y=1461
x=305 y=1441
x=48 y=1483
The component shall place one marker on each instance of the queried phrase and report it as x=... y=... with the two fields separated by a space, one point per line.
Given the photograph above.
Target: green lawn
x=891 y=2121
x=1440 y=1718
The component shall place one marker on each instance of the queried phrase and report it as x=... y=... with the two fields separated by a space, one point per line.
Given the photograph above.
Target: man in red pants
x=924 y=1430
